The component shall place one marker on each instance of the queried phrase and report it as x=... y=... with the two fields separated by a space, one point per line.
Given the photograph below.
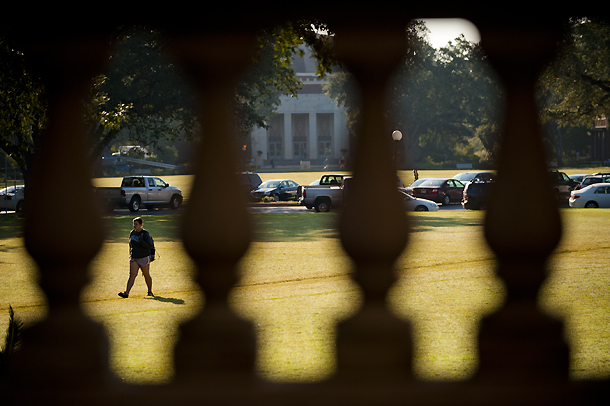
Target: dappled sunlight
x=142 y=331
x=295 y=294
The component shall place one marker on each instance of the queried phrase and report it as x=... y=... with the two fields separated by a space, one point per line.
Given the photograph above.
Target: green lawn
x=295 y=286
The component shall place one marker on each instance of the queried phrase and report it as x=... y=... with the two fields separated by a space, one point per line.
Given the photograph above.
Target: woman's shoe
x=150 y=294
x=123 y=295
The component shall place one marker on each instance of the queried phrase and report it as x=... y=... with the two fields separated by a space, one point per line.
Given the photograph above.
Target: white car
x=592 y=196
x=411 y=203
x=578 y=177
x=11 y=198
x=466 y=177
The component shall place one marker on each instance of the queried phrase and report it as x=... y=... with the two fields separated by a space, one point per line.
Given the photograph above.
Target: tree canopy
x=440 y=99
x=144 y=95
x=577 y=85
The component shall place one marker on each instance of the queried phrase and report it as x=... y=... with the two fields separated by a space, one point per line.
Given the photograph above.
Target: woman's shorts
x=142 y=262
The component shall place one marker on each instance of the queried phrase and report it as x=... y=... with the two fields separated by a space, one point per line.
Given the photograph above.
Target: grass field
x=295 y=285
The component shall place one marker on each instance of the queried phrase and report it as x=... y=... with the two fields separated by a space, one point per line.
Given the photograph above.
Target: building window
x=275 y=150
x=300 y=150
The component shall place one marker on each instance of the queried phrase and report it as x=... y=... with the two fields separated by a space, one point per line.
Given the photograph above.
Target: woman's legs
x=147 y=278
x=133 y=272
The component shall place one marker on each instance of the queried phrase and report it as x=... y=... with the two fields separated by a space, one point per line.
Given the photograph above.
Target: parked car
x=411 y=203
x=279 y=189
x=562 y=185
x=324 y=196
x=12 y=198
x=138 y=191
x=475 y=195
x=440 y=190
x=592 y=196
x=591 y=179
x=249 y=181
x=578 y=177
x=409 y=189
x=326 y=182
x=466 y=177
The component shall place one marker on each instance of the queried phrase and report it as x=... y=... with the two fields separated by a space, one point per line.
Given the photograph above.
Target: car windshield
x=466 y=176
x=270 y=184
x=590 y=181
x=432 y=182
x=418 y=182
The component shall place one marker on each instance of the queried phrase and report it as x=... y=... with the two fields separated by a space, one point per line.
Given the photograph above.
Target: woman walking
x=141 y=245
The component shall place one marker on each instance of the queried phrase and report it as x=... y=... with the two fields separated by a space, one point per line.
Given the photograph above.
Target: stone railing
x=523 y=357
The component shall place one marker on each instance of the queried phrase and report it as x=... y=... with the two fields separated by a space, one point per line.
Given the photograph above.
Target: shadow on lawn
x=169 y=300
x=289 y=227
x=428 y=223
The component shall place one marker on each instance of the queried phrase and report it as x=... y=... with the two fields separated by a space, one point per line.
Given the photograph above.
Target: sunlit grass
x=446 y=285
x=295 y=285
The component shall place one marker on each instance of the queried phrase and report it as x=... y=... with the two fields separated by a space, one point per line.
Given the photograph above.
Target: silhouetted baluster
x=520 y=347
x=66 y=355
x=374 y=345
x=216 y=349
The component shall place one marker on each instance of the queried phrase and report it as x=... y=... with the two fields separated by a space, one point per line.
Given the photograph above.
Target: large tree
x=144 y=95
x=577 y=85
x=22 y=107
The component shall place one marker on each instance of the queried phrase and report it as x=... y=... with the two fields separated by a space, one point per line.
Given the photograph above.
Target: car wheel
x=175 y=202
x=276 y=197
x=322 y=206
x=20 y=206
x=421 y=208
x=591 y=205
x=134 y=204
x=446 y=200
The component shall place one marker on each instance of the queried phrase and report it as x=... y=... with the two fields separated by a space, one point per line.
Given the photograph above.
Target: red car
x=438 y=190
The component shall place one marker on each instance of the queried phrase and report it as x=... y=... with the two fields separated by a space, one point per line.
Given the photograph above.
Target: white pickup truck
x=327 y=194
x=138 y=191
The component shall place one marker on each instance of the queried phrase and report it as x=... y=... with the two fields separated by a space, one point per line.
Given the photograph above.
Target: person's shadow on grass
x=168 y=300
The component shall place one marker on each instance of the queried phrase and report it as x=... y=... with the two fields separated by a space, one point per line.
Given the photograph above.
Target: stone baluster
x=66 y=355
x=373 y=346
x=520 y=347
x=216 y=350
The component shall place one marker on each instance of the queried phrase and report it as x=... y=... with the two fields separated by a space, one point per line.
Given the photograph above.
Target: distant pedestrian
x=273 y=164
x=141 y=253
x=415 y=174
x=342 y=162
x=326 y=163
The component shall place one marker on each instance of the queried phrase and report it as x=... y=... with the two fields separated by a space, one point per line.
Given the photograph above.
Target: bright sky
x=443 y=30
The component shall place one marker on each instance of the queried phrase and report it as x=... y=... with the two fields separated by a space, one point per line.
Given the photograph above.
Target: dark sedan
x=278 y=189
x=475 y=195
x=438 y=190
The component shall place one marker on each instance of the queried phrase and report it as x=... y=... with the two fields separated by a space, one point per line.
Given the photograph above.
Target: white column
x=287 y=136
x=313 y=136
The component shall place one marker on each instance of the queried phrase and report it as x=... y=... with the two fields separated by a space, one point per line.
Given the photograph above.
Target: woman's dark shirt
x=141 y=245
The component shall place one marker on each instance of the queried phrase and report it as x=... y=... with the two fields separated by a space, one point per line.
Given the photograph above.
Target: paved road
x=291 y=208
